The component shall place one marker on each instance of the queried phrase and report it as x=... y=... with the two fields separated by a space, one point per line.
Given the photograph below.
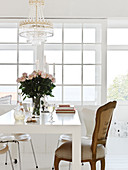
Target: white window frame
x=103 y=44
x=15 y=46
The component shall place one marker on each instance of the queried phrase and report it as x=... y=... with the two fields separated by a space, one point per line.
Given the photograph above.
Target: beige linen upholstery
x=96 y=150
x=65 y=151
x=88 y=118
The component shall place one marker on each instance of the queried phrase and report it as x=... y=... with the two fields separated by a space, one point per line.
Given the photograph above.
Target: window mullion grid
x=62 y=63
x=17 y=57
x=104 y=63
x=82 y=68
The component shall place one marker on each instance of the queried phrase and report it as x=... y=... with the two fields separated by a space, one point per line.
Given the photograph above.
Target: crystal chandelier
x=36 y=29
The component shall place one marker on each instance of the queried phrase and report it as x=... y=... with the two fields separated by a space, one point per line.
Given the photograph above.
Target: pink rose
x=53 y=80
x=43 y=75
x=39 y=72
x=22 y=79
x=24 y=74
x=30 y=77
x=47 y=75
x=34 y=75
x=50 y=76
x=34 y=72
x=18 y=80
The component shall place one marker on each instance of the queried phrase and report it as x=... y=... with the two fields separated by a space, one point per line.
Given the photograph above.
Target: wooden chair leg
x=93 y=165
x=56 y=163
x=102 y=164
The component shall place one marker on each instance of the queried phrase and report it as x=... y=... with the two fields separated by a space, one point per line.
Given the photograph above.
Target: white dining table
x=63 y=124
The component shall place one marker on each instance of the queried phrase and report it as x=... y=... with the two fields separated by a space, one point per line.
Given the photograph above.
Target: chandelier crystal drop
x=36 y=29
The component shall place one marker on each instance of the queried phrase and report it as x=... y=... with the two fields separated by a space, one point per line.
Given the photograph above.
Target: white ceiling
x=68 y=8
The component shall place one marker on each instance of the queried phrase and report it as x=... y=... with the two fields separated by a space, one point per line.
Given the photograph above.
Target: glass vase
x=36 y=106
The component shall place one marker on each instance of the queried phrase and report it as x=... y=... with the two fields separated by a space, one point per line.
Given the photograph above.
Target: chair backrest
x=6 y=99
x=103 y=120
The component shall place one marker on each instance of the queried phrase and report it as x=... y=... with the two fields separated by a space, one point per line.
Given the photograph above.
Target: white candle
x=54 y=69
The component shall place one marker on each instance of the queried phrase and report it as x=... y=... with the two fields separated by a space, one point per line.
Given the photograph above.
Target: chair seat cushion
x=3 y=148
x=22 y=137
x=65 y=151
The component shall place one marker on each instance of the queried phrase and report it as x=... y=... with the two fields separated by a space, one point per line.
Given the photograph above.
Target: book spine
x=59 y=111
x=66 y=112
x=64 y=105
x=65 y=108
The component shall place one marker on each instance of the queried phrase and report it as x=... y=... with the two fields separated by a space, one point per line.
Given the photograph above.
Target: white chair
x=16 y=138
x=6 y=99
x=4 y=149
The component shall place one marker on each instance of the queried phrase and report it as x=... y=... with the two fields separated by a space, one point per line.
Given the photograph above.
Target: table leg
x=76 y=149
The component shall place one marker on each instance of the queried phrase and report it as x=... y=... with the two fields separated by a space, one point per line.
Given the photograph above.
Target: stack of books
x=65 y=108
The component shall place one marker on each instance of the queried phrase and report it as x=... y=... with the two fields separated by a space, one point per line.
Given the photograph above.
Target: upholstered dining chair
x=88 y=122
x=4 y=149
x=96 y=150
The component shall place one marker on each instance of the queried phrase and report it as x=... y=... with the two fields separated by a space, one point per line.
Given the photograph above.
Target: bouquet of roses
x=37 y=84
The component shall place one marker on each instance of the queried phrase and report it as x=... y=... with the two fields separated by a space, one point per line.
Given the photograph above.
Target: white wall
x=68 y=8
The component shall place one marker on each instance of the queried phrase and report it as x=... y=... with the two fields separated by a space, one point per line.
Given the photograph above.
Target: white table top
x=64 y=123
x=43 y=119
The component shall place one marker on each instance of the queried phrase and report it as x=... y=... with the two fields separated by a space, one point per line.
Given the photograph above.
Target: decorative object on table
x=31 y=120
x=36 y=85
x=65 y=108
x=44 y=104
x=36 y=29
x=19 y=111
x=51 y=108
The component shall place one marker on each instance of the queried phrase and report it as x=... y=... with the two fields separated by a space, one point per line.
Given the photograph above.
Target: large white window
x=75 y=54
x=16 y=57
x=117 y=59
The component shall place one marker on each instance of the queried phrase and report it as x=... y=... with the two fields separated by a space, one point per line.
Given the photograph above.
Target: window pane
x=117 y=36
x=9 y=90
x=8 y=56
x=8 y=74
x=91 y=74
x=91 y=95
x=53 y=56
x=72 y=35
x=26 y=56
x=8 y=35
x=57 y=37
x=72 y=74
x=89 y=35
x=25 y=68
x=72 y=57
x=117 y=73
x=89 y=57
x=51 y=69
x=22 y=39
x=72 y=93
x=57 y=92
